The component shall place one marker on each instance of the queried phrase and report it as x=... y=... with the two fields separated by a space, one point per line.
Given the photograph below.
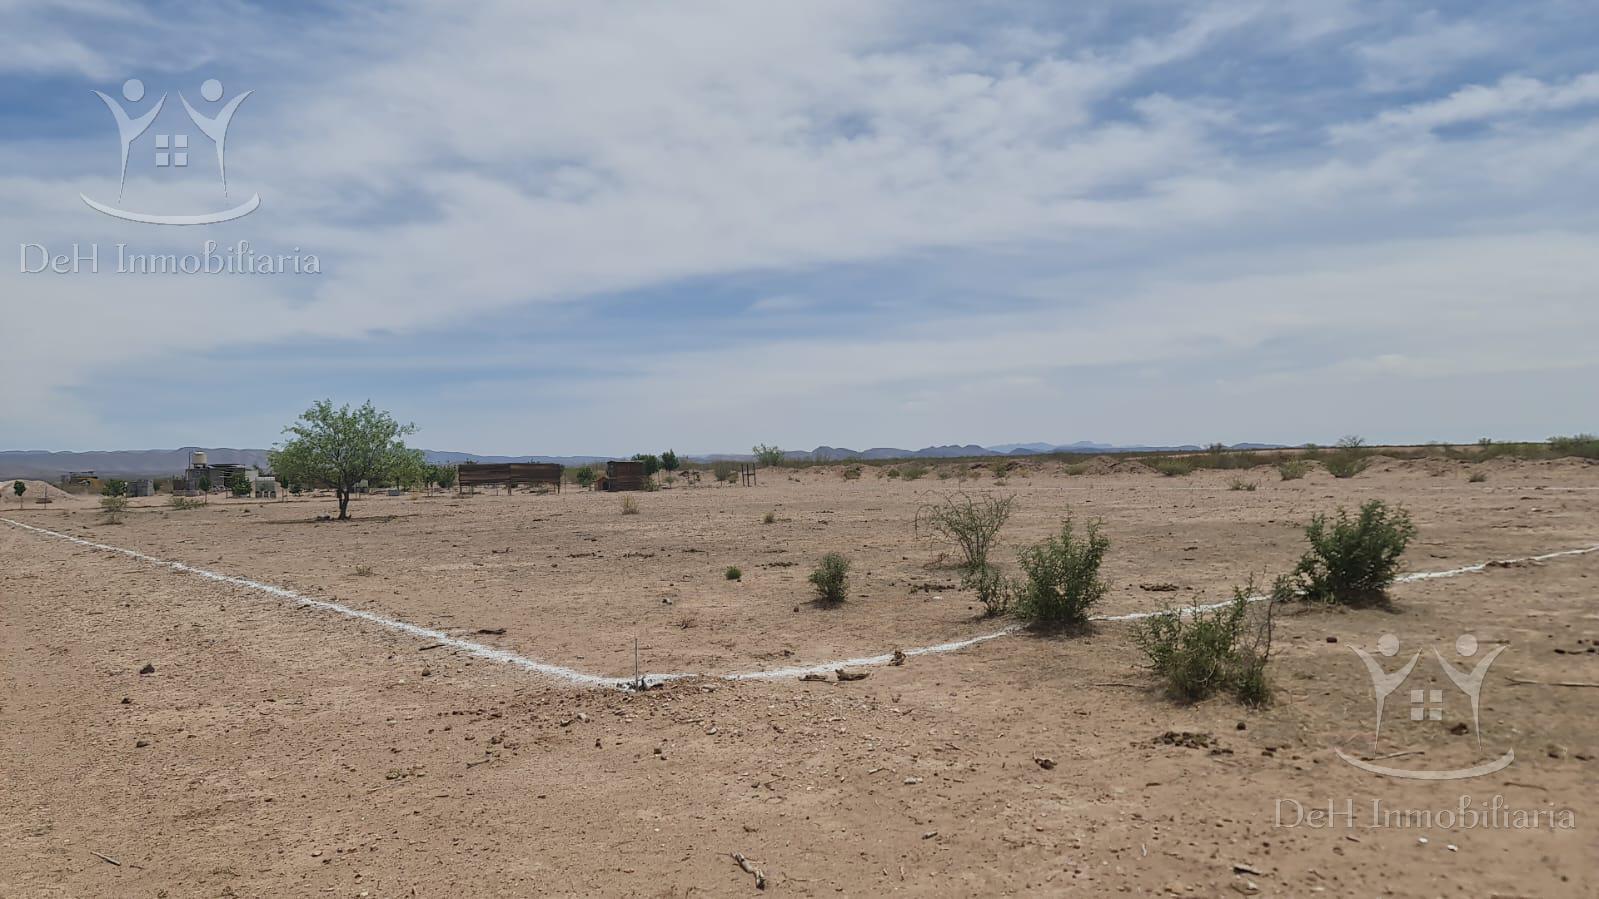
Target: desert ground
x=274 y=748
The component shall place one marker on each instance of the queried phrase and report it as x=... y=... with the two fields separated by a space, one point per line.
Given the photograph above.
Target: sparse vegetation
x=1062 y=582
x=1293 y=469
x=733 y=573
x=1349 y=459
x=1352 y=561
x=769 y=518
x=971 y=523
x=183 y=503
x=831 y=579
x=669 y=461
x=585 y=476
x=1241 y=484
x=851 y=472
x=364 y=571
x=1583 y=446
x=724 y=471
x=113 y=505
x=629 y=506
x=913 y=471
x=1477 y=477
x=115 y=487
x=1172 y=468
x=767 y=456
x=1200 y=652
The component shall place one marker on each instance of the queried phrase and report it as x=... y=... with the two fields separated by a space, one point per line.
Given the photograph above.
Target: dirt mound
x=36 y=490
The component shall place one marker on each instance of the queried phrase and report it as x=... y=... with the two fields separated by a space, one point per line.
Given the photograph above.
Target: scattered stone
x=813 y=676
x=493 y=631
x=899 y=658
x=1162 y=587
x=1332 y=639
x=1185 y=739
x=1044 y=762
x=1241 y=868
x=844 y=674
x=1459 y=729
x=147 y=669
x=912 y=780
x=140 y=744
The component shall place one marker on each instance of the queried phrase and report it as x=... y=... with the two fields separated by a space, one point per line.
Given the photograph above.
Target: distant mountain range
x=47 y=465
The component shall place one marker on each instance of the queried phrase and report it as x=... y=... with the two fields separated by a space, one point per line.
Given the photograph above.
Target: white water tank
x=197 y=459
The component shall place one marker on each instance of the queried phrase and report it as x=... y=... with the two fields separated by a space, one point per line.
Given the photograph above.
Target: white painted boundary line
x=594 y=680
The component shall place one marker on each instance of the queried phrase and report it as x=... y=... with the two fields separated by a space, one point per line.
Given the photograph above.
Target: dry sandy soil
x=283 y=750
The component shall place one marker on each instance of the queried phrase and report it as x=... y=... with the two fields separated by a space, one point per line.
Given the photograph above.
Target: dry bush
x=972 y=524
x=1293 y=469
x=629 y=506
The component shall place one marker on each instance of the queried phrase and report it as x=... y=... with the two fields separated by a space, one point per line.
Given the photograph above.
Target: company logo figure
x=1470 y=684
x=215 y=127
x=129 y=129
x=1383 y=683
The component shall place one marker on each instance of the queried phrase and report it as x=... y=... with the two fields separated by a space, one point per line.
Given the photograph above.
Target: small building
x=141 y=487
x=627 y=475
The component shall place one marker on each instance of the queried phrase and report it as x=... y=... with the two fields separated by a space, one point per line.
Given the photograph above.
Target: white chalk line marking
x=594 y=680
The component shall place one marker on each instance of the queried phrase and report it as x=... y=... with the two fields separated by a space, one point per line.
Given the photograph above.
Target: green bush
x=1293 y=469
x=1349 y=459
x=724 y=470
x=993 y=589
x=767 y=456
x=1204 y=651
x=1352 y=561
x=585 y=476
x=115 y=487
x=913 y=471
x=1584 y=446
x=831 y=579
x=733 y=573
x=113 y=505
x=851 y=472
x=183 y=503
x=1062 y=577
x=1172 y=468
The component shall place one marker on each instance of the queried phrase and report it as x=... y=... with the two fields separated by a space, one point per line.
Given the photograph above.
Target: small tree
x=115 y=487
x=972 y=524
x=114 y=504
x=444 y=476
x=669 y=460
x=340 y=448
x=767 y=456
x=652 y=462
x=19 y=488
x=585 y=476
x=239 y=484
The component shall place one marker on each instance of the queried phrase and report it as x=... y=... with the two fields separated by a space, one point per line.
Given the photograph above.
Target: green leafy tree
x=239 y=484
x=205 y=483
x=444 y=476
x=768 y=456
x=585 y=476
x=115 y=487
x=340 y=448
x=652 y=462
x=19 y=488
x=669 y=460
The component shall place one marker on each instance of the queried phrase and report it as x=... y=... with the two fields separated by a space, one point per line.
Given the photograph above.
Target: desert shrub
x=1353 y=560
x=733 y=573
x=183 y=503
x=1172 y=468
x=972 y=524
x=1349 y=459
x=629 y=506
x=1585 y=446
x=115 y=487
x=851 y=472
x=724 y=470
x=831 y=579
x=913 y=471
x=1075 y=468
x=1205 y=651
x=767 y=456
x=1477 y=477
x=993 y=589
x=364 y=571
x=769 y=518
x=585 y=476
x=1062 y=582
x=1241 y=484
x=1293 y=469
x=1000 y=467
x=113 y=505
x=893 y=472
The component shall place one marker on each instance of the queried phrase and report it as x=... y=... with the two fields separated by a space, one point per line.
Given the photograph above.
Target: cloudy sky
x=615 y=226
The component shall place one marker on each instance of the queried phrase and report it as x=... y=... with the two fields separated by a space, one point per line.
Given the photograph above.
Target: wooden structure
x=622 y=476
x=475 y=474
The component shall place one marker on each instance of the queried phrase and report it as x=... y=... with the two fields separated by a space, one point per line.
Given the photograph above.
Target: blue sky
x=572 y=228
